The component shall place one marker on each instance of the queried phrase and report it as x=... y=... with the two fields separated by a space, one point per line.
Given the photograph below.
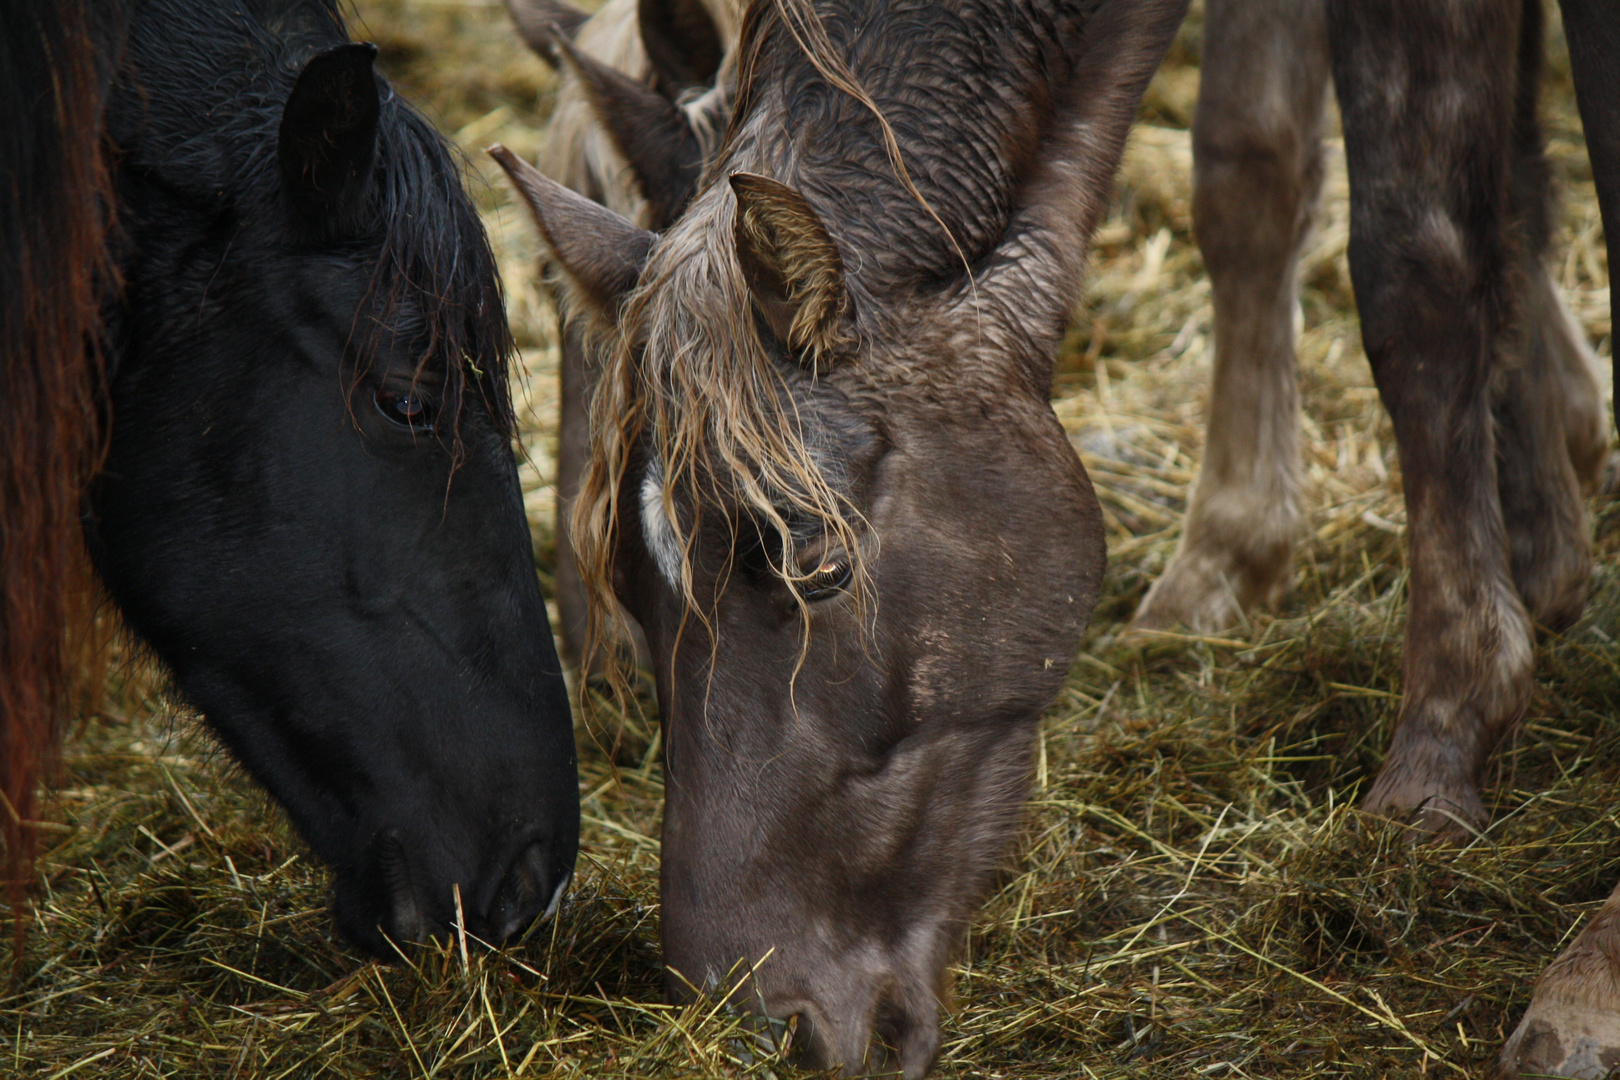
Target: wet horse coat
x=827 y=482
x=284 y=365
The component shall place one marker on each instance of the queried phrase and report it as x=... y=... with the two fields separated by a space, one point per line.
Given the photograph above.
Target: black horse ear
x=328 y=138
x=536 y=19
x=792 y=266
x=654 y=135
x=599 y=251
x=683 y=44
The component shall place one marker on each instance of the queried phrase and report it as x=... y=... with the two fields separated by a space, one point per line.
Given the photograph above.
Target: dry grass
x=1193 y=896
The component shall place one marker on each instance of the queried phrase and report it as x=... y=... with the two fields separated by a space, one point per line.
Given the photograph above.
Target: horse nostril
x=527 y=890
x=403 y=919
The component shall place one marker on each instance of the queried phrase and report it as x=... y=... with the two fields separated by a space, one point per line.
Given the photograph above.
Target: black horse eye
x=827 y=579
x=407 y=408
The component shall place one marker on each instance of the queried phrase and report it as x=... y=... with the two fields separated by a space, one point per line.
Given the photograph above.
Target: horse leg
x=1547 y=405
x=1572 y=1027
x=1552 y=441
x=1592 y=28
x=1575 y=368
x=1257 y=173
x=1424 y=98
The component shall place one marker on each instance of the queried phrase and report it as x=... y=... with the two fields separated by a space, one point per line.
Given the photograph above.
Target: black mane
x=207 y=132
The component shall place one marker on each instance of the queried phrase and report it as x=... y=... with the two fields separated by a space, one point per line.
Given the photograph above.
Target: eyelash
x=827 y=580
x=411 y=409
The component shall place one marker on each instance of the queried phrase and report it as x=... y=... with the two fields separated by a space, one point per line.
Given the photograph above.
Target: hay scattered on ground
x=1193 y=895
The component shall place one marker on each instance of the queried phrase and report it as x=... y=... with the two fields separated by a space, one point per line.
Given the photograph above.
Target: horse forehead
x=962 y=88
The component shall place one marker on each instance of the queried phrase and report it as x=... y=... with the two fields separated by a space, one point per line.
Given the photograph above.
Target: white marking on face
x=657 y=531
x=556 y=897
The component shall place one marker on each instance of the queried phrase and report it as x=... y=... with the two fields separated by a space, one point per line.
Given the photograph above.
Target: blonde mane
x=687 y=374
x=686 y=371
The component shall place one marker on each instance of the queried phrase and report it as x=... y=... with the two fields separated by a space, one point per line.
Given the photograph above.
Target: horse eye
x=828 y=579
x=407 y=408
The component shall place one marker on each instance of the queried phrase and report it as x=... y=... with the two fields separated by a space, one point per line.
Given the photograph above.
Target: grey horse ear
x=792 y=266
x=684 y=46
x=1070 y=170
x=536 y=19
x=655 y=136
x=601 y=253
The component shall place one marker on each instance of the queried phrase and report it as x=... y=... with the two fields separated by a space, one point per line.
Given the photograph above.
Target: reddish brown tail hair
x=56 y=202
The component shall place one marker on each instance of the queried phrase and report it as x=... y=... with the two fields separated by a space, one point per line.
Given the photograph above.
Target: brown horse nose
x=529 y=888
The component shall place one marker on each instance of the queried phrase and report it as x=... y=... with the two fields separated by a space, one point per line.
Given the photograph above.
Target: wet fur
x=592 y=158
x=860 y=366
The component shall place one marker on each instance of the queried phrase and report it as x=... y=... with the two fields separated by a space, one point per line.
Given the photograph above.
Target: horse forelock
x=690 y=391
x=910 y=127
x=869 y=131
x=437 y=257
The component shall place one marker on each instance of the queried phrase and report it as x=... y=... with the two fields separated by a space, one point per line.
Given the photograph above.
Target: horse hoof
x=1572 y=1027
x=1447 y=813
x=1194 y=594
x=1562 y=1040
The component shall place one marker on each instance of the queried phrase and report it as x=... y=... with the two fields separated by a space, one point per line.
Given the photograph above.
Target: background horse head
x=643 y=95
x=308 y=504
x=827 y=481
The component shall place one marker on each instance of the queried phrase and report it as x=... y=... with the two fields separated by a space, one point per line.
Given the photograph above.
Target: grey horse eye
x=828 y=579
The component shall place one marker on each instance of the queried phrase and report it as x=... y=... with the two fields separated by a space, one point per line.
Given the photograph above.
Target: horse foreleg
x=1592 y=28
x=1257 y=173
x=1572 y=1027
x=1576 y=372
x=1552 y=439
x=1550 y=424
x=1425 y=102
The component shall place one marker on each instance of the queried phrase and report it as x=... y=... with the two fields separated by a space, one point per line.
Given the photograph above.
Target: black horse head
x=310 y=506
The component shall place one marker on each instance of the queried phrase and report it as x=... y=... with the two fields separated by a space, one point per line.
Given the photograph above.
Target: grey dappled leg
x=1572 y=1027
x=1257 y=174
x=1592 y=28
x=1545 y=409
x=1550 y=429
x=1424 y=101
